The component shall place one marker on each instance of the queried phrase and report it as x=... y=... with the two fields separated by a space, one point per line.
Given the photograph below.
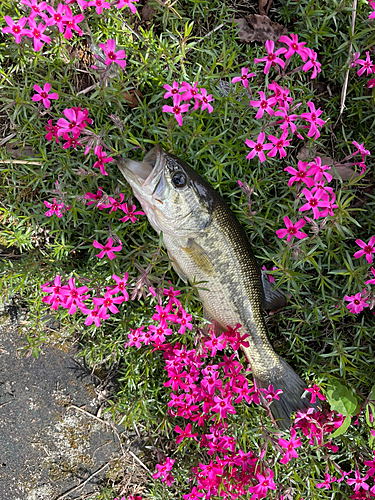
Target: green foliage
x=316 y=334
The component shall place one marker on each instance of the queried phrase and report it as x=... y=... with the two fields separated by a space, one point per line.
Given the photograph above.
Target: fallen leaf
x=342 y=173
x=306 y=152
x=264 y=7
x=256 y=28
x=132 y=98
x=17 y=150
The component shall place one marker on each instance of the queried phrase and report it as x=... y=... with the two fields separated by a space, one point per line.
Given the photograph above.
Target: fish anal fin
x=200 y=257
x=272 y=299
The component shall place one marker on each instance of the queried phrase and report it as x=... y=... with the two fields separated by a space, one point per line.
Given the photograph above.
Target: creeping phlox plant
x=208 y=393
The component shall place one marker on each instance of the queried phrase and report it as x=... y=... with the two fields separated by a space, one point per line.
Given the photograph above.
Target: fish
x=206 y=243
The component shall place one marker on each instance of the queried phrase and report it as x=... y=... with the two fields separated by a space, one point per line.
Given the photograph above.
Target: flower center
x=258 y=147
x=107 y=302
x=313 y=202
x=294 y=46
x=271 y=57
x=58 y=17
x=263 y=104
x=280 y=144
x=16 y=29
x=292 y=230
x=313 y=117
x=177 y=110
x=368 y=249
x=36 y=34
x=44 y=95
x=112 y=56
x=174 y=91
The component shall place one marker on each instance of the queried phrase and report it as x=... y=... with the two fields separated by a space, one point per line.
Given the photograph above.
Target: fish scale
x=207 y=245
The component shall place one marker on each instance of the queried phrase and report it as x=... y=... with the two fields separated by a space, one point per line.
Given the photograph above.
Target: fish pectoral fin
x=199 y=256
x=178 y=269
x=272 y=299
x=214 y=325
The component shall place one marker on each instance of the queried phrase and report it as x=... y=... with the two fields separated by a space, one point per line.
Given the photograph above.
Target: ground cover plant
x=283 y=128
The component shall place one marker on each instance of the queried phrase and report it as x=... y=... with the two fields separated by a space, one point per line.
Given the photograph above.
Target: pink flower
x=223 y=406
x=258 y=147
x=36 y=9
x=312 y=63
x=315 y=391
x=359 y=482
x=292 y=229
x=182 y=318
x=290 y=447
x=318 y=170
x=271 y=393
x=294 y=46
x=194 y=494
x=314 y=201
x=263 y=105
x=58 y=293
x=121 y=284
x=356 y=303
x=280 y=95
x=107 y=249
x=102 y=159
x=270 y=277
x=57 y=17
x=36 y=32
x=271 y=59
x=107 y=302
x=95 y=197
x=372 y=281
x=360 y=149
x=300 y=175
x=329 y=206
x=112 y=56
x=127 y=3
x=366 y=64
x=372 y=15
x=313 y=118
x=190 y=92
x=52 y=131
x=265 y=483
x=327 y=482
x=367 y=249
x=177 y=108
x=205 y=100
x=70 y=23
x=16 y=28
x=186 y=433
x=171 y=91
x=71 y=141
x=54 y=208
x=287 y=119
x=93 y=316
x=164 y=471
x=74 y=297
x=215 y=343
x=244 y=78
x=130 y=213
x=76 y=119
x=279 y=144
x=172 y=294
x=114 y=204
x=100 y=5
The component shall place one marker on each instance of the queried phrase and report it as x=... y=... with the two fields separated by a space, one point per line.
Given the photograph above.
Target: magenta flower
x=57 y=17
x=127 y=3
x=367 y=249
x=16 y=28
x=177 y=108
x=312 y=63
x=313 y=118
x=280 y=95
x=108 y=249
x=314 y=201
x=223 y=406
x=271 y=394
x=183 y=318
x=356 y=302
x=372 y=281
x=300 y=175
x=265 y=483
x=93 y=316
x=70 y=23
x=107 y=302
x=327 y=482
x=176 y=377
x=263 y=105
x=95 y=197
x=76 y=119
x=290 y=447
x=215 y=343
x=316 y=392
x=244 y=78
x=361 y=149
x=164 y=471
x=130 y=213
x=270 y=277
x=329 y=206
x=318 y=170
x=294 y=46
x=74 y=296
x=114 y=203
x=52 y=131
x=195 y=494
x=190 y=92
x=172 y=294
x=185 y=433
x=279 y=144
x=36 y=9
x=58 y=293
x=54 y=208
x=366 y=64
x=71 y=141
x=287 y=120
x=171 y=91
x=372 y=15
x=271 y=59
x=258 y=147
x=100 y=5
x=121 y=284
x=102 y=160
x=112 y=56
x=36 y=32
x=205 y=100
x=359 y=482
x=292 y=230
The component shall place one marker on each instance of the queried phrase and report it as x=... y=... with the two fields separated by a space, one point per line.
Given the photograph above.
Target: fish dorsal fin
x=199 y=256
x=178 y=269
x=272 y=299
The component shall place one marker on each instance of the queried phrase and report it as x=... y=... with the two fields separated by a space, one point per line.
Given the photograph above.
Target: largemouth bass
x=205 y=242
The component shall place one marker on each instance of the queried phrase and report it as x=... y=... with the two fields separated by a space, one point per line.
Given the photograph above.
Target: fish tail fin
x=291 y=399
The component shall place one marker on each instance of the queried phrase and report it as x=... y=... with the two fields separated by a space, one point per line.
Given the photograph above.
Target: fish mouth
x=144 y=174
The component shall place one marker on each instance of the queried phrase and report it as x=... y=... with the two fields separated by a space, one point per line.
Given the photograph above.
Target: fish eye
x=179 y=179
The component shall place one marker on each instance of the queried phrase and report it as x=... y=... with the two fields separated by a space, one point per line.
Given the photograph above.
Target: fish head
x=176 y=200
